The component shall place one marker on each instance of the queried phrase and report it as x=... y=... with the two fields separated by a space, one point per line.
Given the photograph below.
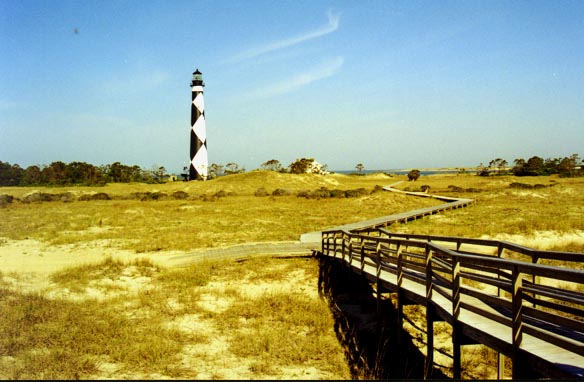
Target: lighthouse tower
x=199 y=161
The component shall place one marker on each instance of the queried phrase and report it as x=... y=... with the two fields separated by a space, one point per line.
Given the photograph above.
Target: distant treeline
x=566 y=167
x=76 y=173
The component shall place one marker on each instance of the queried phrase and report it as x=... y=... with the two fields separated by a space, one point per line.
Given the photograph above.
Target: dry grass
x=507 y=213
x=155 y=225
x=82 y=328
x=226 y=320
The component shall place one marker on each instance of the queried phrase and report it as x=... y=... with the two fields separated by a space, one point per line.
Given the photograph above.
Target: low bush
x=523 y=186
x=338 y=193
x=221 y=194
x=98 y=196
x=37 y=197
x=281 y=192
x=45 y=197
x=303 y=193
x=261 y=192
x=321 y=193
x=5 y=199
x=356 y=193
x=324 y=193
x=377 y=189
x=179 y=195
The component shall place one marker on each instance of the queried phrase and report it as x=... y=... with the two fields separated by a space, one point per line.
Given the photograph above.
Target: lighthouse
x=199 y=161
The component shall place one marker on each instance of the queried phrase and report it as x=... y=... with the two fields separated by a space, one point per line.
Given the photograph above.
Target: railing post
x=500 y=356
x=428 y=273
x=350 y=253
x=335 y=244
x=456 y=340
x=429 y=317
x=399 y=265
x=534 y=260
x=400 y=302
x=378 y=275
x=343 y=247
x=362 y=265
x=517 y=324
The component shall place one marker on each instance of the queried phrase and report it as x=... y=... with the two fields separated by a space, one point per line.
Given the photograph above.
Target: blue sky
x=390 y=84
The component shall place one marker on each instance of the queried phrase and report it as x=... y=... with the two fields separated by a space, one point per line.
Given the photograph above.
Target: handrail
x=452 y=275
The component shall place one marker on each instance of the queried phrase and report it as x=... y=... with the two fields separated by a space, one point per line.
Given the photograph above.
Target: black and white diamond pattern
x=199 y=160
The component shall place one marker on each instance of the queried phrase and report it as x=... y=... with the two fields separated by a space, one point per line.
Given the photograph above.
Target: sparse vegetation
x=140 y=320
x=505 y=207
x=95 y=331
x=140 y=218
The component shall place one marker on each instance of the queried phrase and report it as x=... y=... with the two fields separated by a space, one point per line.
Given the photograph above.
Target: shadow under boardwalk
x=368 y=330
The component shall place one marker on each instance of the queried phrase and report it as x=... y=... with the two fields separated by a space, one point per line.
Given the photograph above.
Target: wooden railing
x=528 y=311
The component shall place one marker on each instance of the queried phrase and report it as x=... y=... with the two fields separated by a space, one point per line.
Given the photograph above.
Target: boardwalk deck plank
x=490 y=321
x=482 y=329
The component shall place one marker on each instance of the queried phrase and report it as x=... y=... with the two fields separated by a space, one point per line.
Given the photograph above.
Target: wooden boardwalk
x=404 y=217
x=532 y=313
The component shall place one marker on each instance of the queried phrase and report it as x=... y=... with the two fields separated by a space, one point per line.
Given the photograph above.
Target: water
x=396 y=172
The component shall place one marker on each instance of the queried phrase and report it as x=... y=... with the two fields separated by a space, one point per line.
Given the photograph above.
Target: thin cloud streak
x=325 y=70
x=330 y=27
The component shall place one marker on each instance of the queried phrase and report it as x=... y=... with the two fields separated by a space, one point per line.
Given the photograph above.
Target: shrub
x=137 y=195
x=523 y=186
x=377 y=189
x=281 y=192
x=40 y=197
x=221 y=194
x=413 y=175
x=425 y=188
x=158 y=195
x=66 y=197
x=100 y=196
x=5 y=199
x=356 y=193
x=322 y=193
x=208 y=198
x=261 y=192
x=338 y=193
x=179 y=195
x=455 y=188
x=303 y=193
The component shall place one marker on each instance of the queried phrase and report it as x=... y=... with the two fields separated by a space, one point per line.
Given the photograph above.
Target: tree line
x=81 y=173
x=571 y=166
x=77 y=173
x=299 y=166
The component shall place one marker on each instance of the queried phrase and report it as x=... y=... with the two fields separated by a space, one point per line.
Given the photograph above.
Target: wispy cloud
x=331 y=26
x=326 y=69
